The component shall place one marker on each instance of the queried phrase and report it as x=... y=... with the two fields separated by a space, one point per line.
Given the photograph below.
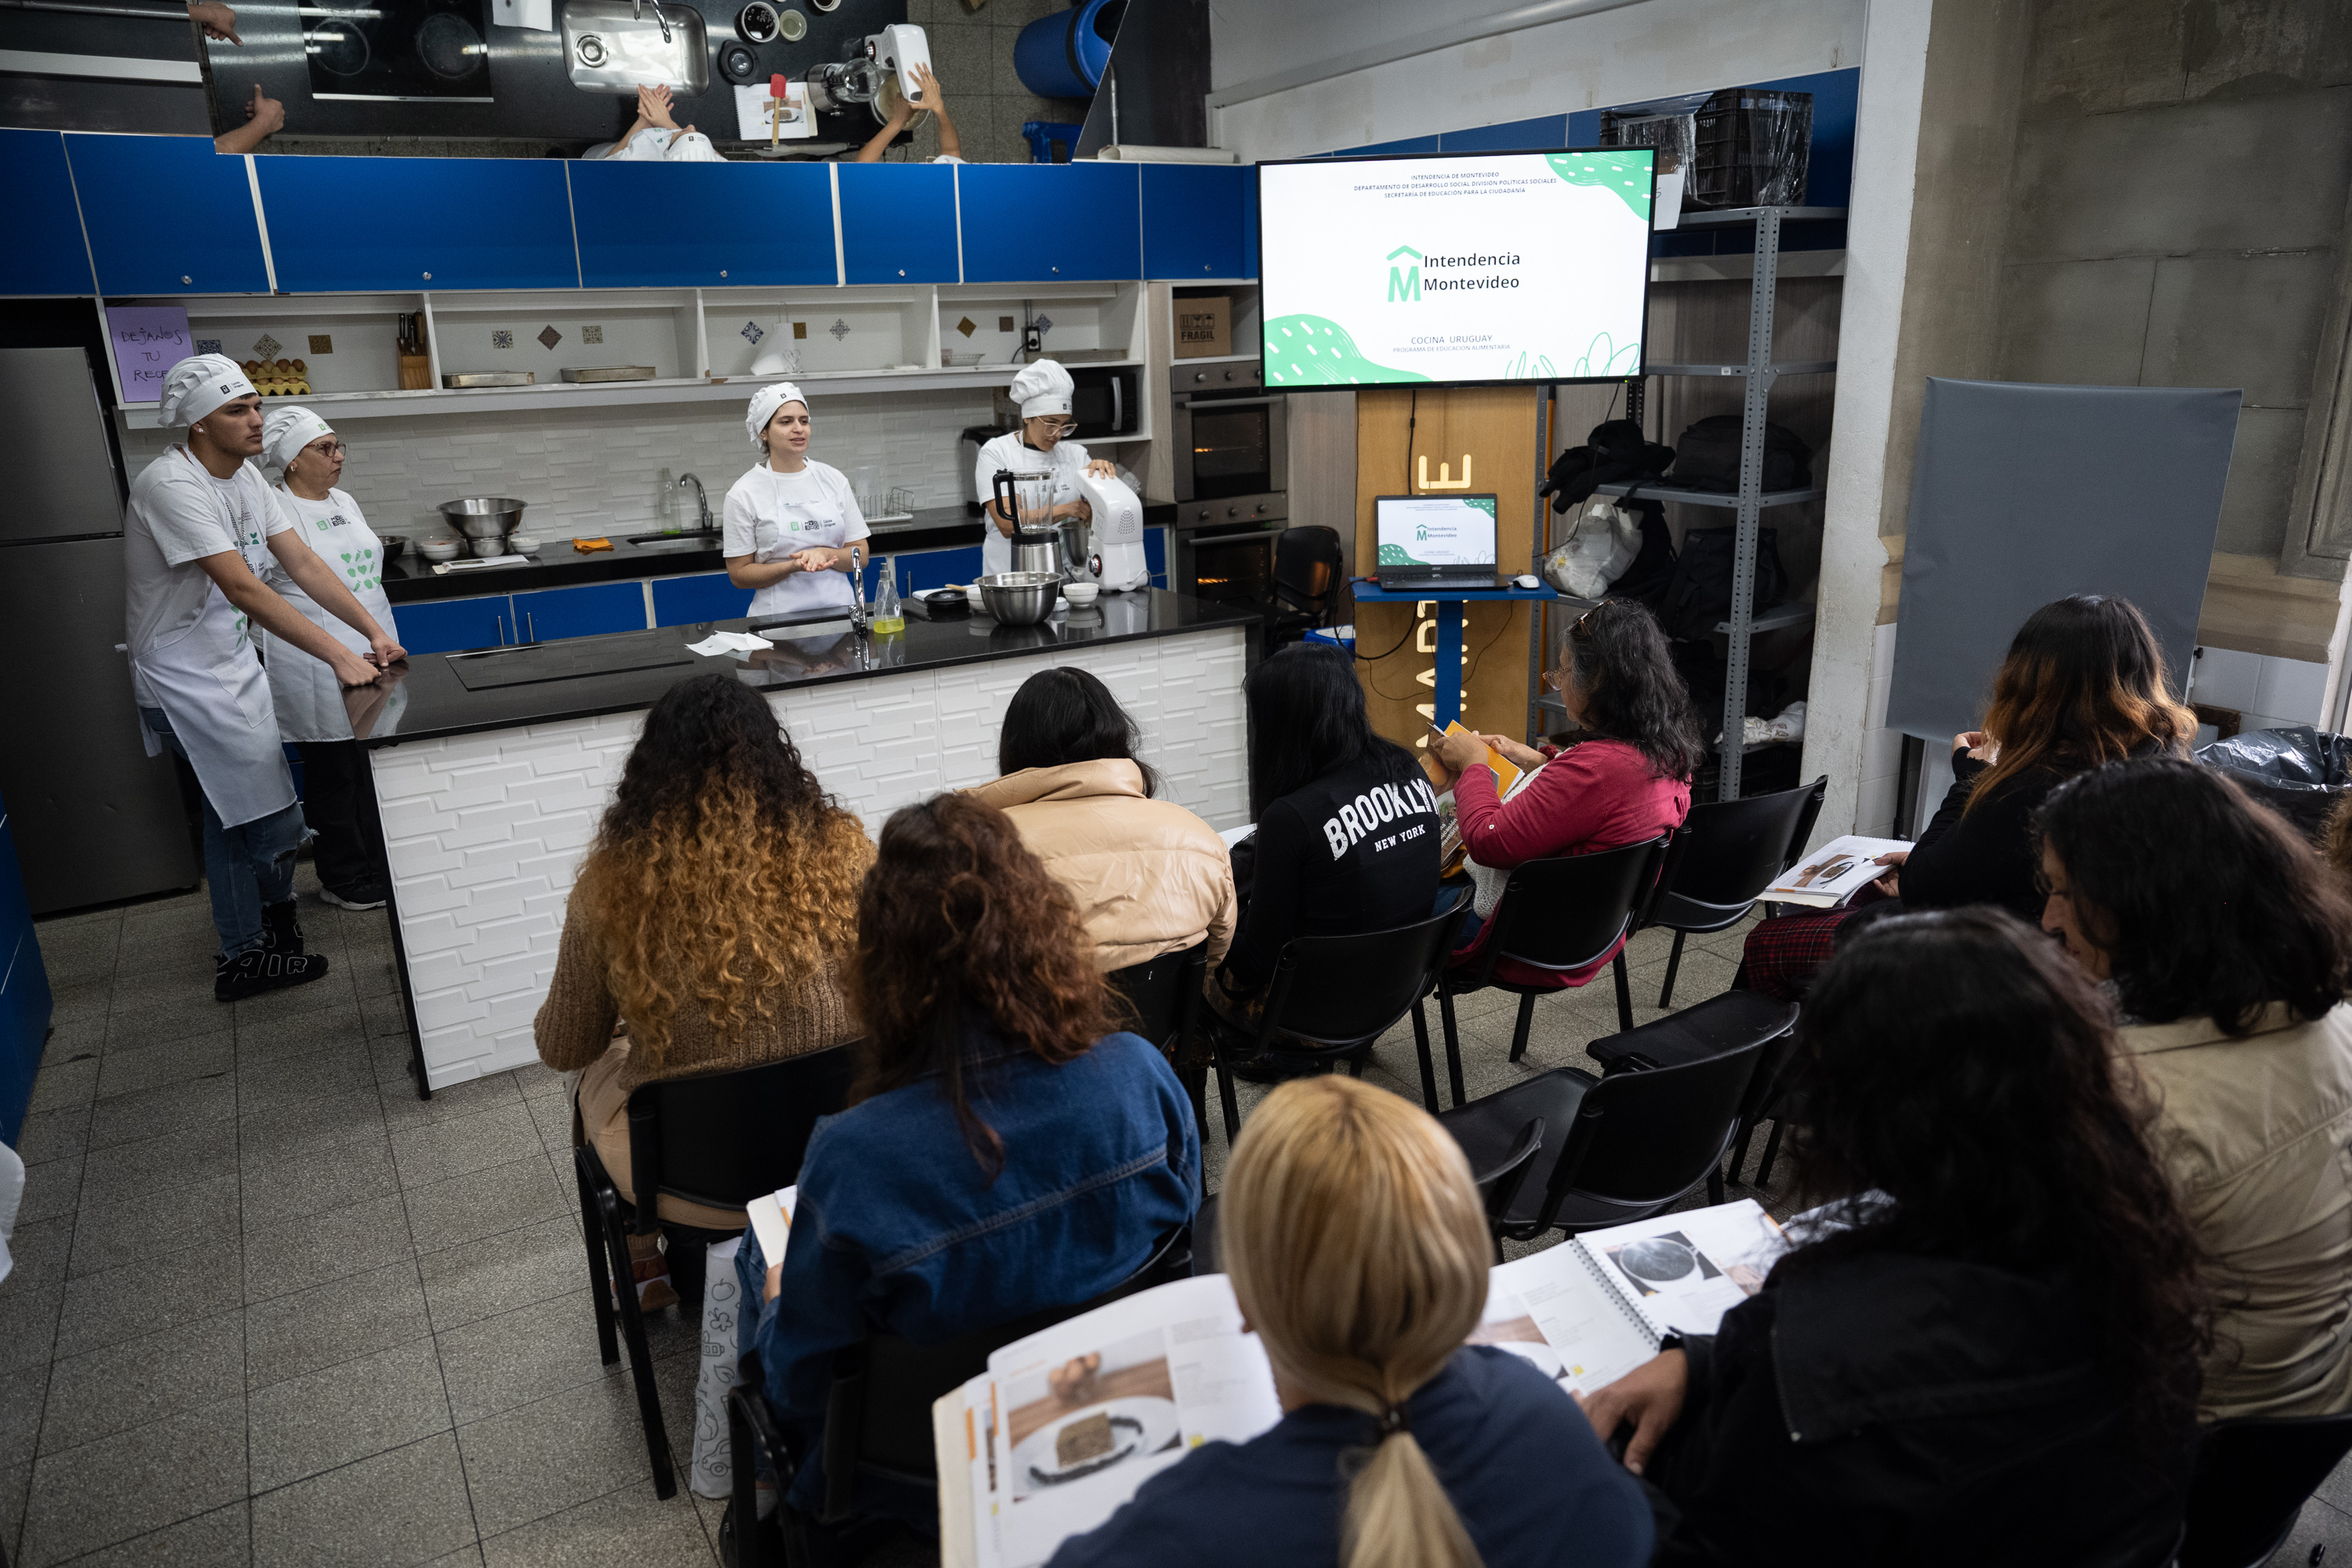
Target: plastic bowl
x=1081 y=593
x=522 y=544
x=438 y=548
x=1019 y=598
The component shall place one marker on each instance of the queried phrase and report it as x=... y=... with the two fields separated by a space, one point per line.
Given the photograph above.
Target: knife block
x=416 y=373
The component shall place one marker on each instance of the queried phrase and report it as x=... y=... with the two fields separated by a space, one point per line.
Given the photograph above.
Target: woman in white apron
x=792 y=526
x=188 y=594
x=338 y=793
x=1042 y=389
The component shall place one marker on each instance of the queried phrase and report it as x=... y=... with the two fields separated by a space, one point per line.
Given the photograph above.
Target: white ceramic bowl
x=1081 y=593
x=522 y=544
x=438 y=548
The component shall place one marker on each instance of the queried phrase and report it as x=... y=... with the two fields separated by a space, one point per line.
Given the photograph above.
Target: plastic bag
x=2298 y=769
x=1602 y=544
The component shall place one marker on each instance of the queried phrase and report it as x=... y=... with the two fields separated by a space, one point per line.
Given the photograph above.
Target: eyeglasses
x=1066 y=428
x=331 y=451
x=1581 y=629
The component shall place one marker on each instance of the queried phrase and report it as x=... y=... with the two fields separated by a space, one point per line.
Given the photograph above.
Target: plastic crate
x=1751 y=148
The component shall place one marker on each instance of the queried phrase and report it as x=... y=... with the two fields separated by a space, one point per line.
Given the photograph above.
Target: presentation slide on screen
x=1511 y=267
x=1437 y=531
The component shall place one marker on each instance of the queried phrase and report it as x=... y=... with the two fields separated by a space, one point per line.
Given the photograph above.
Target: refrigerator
x=95 y=819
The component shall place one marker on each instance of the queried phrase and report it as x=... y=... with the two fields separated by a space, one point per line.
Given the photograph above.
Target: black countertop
x=439 y=701
x=411 y=580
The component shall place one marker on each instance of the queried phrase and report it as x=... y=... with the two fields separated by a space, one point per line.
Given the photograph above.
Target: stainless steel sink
x=609 y=48
x=675 y=541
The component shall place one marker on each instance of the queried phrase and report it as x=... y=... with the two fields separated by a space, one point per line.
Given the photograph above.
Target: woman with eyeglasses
x=1041 y=444
x=338 y=799
x=1628 y=781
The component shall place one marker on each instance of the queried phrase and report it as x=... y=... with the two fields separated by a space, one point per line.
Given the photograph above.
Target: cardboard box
x=1204 y=327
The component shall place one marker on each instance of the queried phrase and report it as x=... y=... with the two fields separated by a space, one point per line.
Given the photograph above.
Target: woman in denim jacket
x=1004 y=1150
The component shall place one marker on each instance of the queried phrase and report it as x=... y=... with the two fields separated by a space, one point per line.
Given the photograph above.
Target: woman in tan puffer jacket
x=1149 y=876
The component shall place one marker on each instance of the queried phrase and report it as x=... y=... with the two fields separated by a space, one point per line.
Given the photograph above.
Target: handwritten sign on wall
x=149 y=340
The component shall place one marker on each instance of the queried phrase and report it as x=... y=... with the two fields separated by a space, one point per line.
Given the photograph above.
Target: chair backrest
x=1642 y=1139
x=2251 y=1479
x=722 y=1139
x=1566 y=912
x=1163 y=990
x=1307 y=566
x=878 y=1413
x=1345 y=990
x=1728 y=851
x=1500 y=1186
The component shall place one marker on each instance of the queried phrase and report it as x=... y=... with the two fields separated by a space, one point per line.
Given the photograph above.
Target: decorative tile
x=501 y=338
x=752 y=334
x=839 y=330
x=266 y=347
x=549 y=337
x=591 y=334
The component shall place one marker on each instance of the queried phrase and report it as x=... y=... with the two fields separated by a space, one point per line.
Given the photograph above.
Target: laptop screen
x=1435 y=533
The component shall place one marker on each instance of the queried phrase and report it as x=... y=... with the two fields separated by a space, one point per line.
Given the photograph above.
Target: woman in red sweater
x=1627 y=781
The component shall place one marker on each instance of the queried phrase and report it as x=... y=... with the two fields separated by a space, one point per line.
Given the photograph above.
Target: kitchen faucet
x=857 y=587
x=701 y=500
x=637 y=10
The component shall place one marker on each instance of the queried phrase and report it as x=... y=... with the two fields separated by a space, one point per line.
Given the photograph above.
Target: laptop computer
x=1438 y=541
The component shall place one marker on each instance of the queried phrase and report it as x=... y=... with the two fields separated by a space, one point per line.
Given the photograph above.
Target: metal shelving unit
x=1761 y=371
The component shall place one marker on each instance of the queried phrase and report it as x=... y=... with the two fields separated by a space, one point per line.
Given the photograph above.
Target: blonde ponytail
x=1357 y=1247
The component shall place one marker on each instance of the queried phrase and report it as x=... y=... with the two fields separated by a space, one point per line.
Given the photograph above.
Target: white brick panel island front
x=489 y=798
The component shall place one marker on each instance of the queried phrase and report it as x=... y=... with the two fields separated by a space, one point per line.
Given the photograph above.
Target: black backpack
x=1707 y=457
x=1615 y=451
x=1699 y=594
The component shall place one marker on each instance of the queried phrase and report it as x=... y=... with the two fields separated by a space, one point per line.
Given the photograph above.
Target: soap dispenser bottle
x=665 y=506
x=889 y=616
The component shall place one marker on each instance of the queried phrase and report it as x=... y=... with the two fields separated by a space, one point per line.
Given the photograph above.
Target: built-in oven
x=398 y=51
x=1229 y=439
x=1227 y=566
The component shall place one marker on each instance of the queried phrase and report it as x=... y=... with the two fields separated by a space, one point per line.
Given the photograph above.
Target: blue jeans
x=246 y=866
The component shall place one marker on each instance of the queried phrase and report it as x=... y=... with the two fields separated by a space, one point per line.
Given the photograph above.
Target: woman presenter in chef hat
x=1042 y=389
x=792 y=526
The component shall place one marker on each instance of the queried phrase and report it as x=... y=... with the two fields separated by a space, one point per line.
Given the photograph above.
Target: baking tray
x=491 y=378
x=612 y=373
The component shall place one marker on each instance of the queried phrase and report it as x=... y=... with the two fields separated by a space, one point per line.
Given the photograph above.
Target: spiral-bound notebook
x=1065 y=1424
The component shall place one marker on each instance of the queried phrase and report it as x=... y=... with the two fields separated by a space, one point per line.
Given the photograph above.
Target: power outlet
x=1032 y=340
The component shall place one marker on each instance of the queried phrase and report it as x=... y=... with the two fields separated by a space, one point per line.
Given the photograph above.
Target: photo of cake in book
x=1086 y=1413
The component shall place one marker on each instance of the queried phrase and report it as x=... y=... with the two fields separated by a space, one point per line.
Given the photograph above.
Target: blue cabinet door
x=1049 y=222
x=703 y=225
x=167 y=214
x=340 y=224
x=938 y=568
x=46 y=255
x=451 y=625
x=593 y=611
x=705 y=596
x=899 y=223
x=1200 y=220
x=1155 y=556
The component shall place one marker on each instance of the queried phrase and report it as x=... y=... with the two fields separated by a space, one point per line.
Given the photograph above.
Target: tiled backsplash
x=592 y=471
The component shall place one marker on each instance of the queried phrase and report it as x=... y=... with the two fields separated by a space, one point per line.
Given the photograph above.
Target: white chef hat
x=288 y=430
x=764 y=404
x=692 y=147
x=198 y=384
x=1042 y=387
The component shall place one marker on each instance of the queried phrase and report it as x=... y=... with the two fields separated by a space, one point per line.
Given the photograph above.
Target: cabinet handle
x=531 y=625
x=186 y=278
x=428 y=277
x=499 y=621
x=723 y=272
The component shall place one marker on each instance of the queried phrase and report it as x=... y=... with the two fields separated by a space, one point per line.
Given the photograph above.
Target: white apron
x=310 y=700
x=821 y=512
x=210 y=685
x=1066 y=462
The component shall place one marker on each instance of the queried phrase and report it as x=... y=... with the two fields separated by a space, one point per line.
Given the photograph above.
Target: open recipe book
x=1066 y=1424
x=1835 y=872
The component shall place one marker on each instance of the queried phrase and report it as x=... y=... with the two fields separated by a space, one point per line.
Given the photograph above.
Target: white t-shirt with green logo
x=769 y=516
x=310 y=699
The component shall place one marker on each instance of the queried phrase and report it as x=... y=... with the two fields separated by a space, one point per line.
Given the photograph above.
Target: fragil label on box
x=149 y=340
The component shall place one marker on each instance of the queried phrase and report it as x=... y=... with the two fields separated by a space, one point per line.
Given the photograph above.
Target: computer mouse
x=1526 y=580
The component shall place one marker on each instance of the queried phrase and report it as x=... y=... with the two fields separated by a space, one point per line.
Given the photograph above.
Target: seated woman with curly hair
x=1006 y=1149
x=709 y=920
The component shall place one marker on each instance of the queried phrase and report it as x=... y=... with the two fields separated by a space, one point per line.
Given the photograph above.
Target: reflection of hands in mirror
x=217 y=20
x=1073 y=1382
x=927 y=89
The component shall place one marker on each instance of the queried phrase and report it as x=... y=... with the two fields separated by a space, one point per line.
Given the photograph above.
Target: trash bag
x=2298 y=769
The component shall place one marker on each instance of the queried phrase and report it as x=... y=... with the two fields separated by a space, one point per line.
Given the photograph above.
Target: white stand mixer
x=1118 y=560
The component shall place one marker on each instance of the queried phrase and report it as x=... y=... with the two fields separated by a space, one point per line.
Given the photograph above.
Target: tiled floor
x=270 y=1308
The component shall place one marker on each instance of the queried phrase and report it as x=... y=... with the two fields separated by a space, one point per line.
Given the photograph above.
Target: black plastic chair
x=1716 y=1025
x=1165 y=993
x=1340 y=993
x=1307 y=563
x=877 y=1419
x=1558 y=914
x=1726 y=853
x=1637 y=1142
x=2253 y=1479
x=718 y=1139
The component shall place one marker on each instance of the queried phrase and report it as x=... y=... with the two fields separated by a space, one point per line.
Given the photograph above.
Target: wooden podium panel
x=1411 y=442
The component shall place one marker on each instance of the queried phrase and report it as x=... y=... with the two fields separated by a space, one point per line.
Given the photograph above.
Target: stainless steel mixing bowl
x=1019 y=598
x=484 y=516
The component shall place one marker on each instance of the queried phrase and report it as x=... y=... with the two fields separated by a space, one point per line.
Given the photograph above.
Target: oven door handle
x=1197 y=401
x=1118 y=408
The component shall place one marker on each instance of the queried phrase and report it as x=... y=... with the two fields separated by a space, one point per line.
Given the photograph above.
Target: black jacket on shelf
x=1889 y=1408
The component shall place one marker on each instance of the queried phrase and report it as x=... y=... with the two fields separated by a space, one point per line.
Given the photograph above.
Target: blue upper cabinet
x=167 y=214
x=1200 y=220
x=703 y=225
x=899 y=223
x=46 y=254
x=1049 y=222
x=339 y=223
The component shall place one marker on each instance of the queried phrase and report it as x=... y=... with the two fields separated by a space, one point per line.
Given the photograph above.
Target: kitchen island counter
x=492 y=770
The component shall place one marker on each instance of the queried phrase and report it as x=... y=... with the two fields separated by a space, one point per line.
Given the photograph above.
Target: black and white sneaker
x=359 y=900
x=257 y=969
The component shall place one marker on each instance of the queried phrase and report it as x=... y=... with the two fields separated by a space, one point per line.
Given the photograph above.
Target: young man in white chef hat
x=189 y=592
x=1042 y=389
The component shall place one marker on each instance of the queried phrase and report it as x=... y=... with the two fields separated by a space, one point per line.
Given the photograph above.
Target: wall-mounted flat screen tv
x=1461 y=270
